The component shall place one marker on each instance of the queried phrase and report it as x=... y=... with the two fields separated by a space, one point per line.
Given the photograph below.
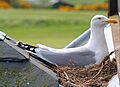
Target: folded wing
x=72 y=56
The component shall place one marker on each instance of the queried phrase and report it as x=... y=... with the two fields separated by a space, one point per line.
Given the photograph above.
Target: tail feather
x=26 y=47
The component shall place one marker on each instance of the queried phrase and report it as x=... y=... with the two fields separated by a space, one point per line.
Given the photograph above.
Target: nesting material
x=93 y=76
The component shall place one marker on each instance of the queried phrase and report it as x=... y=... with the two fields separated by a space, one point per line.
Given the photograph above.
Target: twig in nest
x=96 y=74
x=68 y=81
x=99 y=71
x=66 y=75
x=102 y=65
x=72 y=84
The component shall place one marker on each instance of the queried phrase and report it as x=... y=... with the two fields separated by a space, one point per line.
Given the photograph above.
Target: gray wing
x=80 y=40
x=68 y=57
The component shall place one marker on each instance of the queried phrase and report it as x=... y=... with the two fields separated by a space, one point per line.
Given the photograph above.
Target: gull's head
x=101 y=21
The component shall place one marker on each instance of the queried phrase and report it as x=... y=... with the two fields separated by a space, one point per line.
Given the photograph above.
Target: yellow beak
x=112 y=21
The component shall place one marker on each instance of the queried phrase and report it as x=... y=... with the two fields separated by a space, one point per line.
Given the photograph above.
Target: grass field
x=50 y=27
x=80 y=2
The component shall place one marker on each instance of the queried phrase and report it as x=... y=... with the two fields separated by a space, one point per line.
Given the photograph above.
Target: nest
x=93 y=76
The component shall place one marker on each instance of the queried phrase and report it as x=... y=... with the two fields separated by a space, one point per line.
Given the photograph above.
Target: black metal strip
x=48 y=63
x=112 y=7
x=27 y=55
x=13 y=45
x=12 y=59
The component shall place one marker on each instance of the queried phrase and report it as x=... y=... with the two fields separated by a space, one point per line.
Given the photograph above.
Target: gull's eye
x=99 y=18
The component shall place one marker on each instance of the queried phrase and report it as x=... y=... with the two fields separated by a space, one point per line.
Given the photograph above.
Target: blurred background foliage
x=77 y=4
x=52 y=24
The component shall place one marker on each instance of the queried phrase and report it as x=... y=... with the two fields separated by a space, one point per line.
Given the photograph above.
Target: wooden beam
x=113 y=14
x=116 y=40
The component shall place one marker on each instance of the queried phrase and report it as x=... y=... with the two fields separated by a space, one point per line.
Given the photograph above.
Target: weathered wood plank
x=113 y=14
x=116 y=40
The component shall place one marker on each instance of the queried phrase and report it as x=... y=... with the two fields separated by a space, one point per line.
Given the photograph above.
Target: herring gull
x=93 y=52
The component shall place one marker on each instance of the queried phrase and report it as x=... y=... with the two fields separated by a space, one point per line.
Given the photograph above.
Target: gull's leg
x=26 y=47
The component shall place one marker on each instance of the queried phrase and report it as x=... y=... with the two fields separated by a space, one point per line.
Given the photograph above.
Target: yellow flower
x=25 y=4
x=4 y=5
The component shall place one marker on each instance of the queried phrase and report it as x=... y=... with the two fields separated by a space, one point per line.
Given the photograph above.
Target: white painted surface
x=109 y=40
x=114 y=82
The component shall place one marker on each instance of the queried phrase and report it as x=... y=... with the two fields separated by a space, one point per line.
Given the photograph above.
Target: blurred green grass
x=50 y=27
x=81 y=2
